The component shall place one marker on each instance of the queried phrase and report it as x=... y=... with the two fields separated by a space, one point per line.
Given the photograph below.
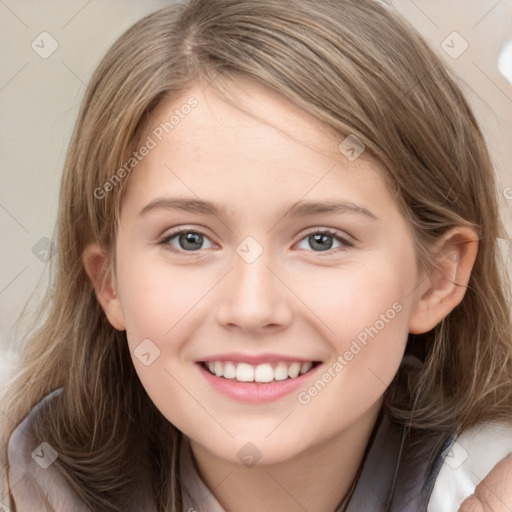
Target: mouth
x=256 y=378
x=262 y=373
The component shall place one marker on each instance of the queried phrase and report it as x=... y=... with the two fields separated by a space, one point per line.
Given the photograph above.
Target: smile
x=262 y=373
x=263 y=379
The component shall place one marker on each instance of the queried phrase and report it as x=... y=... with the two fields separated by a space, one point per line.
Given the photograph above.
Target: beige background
x=39 y=98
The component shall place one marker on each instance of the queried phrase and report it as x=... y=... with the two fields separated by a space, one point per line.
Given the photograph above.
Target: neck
x=316 y=479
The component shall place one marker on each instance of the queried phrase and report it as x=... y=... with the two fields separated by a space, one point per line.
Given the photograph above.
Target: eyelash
x=165 y=241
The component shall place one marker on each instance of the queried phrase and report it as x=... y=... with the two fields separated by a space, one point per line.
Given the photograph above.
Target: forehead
x=202 y=145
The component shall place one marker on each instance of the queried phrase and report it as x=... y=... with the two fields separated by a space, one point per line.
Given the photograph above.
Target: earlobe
x=444 y=287
x=96 y=263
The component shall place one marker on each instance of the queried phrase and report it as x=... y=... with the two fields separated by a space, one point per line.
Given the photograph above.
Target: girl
x=278 y=284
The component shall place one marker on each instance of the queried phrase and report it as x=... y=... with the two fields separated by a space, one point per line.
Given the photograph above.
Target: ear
x=96 y=263
x=444 y=287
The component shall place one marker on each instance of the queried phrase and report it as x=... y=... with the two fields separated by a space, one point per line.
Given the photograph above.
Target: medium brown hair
x=358 y=67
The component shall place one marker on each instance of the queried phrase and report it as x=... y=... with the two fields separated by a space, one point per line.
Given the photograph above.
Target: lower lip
x=252 y=391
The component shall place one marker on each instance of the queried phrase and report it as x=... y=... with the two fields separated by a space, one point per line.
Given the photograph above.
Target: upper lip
x=254 y=359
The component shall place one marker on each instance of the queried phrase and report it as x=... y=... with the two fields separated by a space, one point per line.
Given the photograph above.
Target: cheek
x=366 y=312
x=370 y=325
x=158 y=305
x=156 y=296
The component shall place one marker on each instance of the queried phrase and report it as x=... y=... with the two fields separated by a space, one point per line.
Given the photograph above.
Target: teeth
x=229 y=371
x=244 y=372
x=305 y=367
x=218 y=369
x=281 y=372
x=265 y=372
x=293 y=370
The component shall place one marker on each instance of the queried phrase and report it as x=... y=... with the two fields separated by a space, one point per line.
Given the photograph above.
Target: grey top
x=37 y=484
x=399 y=471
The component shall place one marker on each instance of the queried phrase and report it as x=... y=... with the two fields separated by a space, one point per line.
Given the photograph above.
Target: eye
x=323 y=240
x=188 y=240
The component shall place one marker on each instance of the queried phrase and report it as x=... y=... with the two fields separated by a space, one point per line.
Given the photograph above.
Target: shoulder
x=34 y=480
x=467 y=461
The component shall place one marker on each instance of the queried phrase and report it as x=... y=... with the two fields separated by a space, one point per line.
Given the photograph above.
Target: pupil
x=193 y=238
x=320 y=238
x=322 y=241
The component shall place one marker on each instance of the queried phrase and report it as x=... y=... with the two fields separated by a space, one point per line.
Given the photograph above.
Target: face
x=268 y=285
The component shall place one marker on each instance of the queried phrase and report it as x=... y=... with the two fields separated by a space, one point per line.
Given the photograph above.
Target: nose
x=255 y=298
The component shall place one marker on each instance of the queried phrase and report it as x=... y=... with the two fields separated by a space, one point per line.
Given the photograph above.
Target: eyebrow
x=298 y=209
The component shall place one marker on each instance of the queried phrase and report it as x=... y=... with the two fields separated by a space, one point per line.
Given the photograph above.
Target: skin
x=494 y=492
x=293 y=299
